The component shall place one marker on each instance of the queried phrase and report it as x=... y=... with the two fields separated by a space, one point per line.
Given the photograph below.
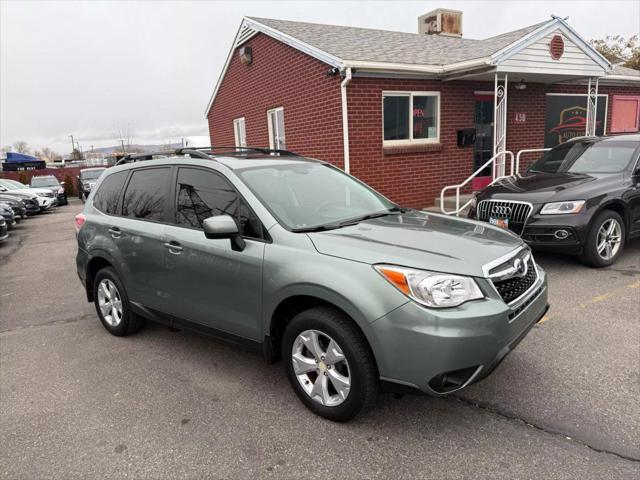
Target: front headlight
x=60 y=190
x=432 y=289
x=557 y=208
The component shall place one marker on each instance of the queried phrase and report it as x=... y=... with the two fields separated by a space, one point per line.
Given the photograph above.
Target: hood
x=421 y=240
x=546 y=187
x=19 y=195
x=40 y=192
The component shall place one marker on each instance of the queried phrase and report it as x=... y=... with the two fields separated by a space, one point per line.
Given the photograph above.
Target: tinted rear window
x=146 y=195
x=107 y=196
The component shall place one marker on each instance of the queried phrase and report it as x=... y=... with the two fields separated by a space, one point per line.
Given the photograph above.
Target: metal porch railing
x=498 y=173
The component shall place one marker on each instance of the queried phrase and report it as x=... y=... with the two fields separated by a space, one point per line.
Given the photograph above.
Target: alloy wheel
x=110 y=302
x=609 y=239
x=321 y=367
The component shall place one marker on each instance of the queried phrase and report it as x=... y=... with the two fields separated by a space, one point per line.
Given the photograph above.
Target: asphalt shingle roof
x=629 y=72
x=365 y=44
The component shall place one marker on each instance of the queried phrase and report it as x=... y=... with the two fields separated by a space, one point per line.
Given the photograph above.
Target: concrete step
x=450 y=203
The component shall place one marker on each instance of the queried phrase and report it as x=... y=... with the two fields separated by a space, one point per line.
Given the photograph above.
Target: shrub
x=22 y=177
x=69 y=185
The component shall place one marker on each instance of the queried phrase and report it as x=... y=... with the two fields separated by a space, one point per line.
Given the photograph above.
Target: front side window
x=308 y=195
x=146 y=194
x=106 y=197
x=201 y=194
x=411 y=117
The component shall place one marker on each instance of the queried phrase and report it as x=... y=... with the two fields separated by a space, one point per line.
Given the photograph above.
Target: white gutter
x=345 y=118
x=624 y=78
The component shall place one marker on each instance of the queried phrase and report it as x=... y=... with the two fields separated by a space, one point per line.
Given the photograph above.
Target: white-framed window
x=410 y=118
x=240 y=132
x=275 y=120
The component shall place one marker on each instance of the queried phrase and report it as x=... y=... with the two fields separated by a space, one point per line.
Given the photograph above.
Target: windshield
x=44 y=182
x=90 y=174
x=578 y=157
x=309 y=195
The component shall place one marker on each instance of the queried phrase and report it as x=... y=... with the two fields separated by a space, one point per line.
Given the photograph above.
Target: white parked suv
x=45 y=196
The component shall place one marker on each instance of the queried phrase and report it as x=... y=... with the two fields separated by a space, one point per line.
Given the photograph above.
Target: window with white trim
x=275 y=120
x=410 y=118
x=240 y=132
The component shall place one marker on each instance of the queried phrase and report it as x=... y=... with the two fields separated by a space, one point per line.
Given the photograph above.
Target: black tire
x=590 y=254
x=362 y=367
x=129 y=322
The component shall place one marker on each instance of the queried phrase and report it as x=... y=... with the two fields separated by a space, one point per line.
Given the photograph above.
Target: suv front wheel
x=329 y=364
x=605 y=240
x=112 y=304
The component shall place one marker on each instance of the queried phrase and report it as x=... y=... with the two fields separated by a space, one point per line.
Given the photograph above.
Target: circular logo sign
x=556 y=47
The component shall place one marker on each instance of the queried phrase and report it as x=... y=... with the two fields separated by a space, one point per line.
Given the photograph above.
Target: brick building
x=412 y=113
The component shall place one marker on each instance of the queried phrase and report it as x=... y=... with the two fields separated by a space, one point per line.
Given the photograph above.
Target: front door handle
x=115 y=232
x=174 y=247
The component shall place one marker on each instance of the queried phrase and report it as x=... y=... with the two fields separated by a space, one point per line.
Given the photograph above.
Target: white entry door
x=275 y=119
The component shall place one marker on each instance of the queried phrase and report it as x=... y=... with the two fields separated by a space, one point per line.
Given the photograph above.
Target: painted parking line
x=603 y=297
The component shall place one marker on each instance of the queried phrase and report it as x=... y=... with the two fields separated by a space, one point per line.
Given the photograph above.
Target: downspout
x=345 y=118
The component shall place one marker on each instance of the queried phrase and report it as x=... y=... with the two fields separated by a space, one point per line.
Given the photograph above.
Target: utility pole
x=73 y=146
x=124 y=150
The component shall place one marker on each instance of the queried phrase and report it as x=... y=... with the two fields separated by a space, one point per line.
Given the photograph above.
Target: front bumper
x=442 y=351
x=540 y=232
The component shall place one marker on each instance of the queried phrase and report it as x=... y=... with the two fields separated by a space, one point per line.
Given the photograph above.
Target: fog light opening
x=561 y=234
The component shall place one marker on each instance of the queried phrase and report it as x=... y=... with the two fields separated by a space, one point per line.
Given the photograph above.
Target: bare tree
x=21 y=147
x=617 y=49
x=48 y=154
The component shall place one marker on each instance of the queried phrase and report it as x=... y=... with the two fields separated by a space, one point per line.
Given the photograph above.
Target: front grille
x=515 y=287
x=516 y=212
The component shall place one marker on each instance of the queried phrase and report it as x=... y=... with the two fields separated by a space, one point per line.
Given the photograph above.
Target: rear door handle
x=115 y=232
x=174 y=247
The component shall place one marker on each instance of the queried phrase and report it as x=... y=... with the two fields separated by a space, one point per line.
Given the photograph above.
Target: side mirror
x=62 y=183
x=223 y=226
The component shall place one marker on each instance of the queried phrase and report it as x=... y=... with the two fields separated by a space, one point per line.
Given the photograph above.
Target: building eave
x=555 y=23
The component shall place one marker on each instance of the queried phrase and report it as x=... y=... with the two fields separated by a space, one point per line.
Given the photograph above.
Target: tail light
x=79 y=221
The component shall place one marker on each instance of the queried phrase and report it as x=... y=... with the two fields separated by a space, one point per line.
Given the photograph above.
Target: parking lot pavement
x=77 y=402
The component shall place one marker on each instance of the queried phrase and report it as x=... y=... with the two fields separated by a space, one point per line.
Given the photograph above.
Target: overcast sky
x=92 y=68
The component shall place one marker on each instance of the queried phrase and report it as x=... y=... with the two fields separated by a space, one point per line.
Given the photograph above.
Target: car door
x=212 y=284
x=139 y=235
x=633 y=197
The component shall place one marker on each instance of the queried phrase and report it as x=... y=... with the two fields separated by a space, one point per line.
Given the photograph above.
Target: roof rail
x=202 y=152
x=238 y=150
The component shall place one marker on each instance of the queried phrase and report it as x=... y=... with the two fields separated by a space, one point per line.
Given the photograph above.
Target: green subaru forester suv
x=304 y=263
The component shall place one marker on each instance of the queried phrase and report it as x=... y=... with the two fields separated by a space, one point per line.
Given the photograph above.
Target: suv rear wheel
x=112 y=304
x=605 y=240
x=329 y=364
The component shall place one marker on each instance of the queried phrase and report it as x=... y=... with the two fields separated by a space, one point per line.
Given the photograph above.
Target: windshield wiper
x=392 y=211
x=318 y=228
x=352 y=221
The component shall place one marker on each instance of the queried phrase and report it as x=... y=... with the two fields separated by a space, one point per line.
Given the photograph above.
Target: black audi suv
x=581 y=197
